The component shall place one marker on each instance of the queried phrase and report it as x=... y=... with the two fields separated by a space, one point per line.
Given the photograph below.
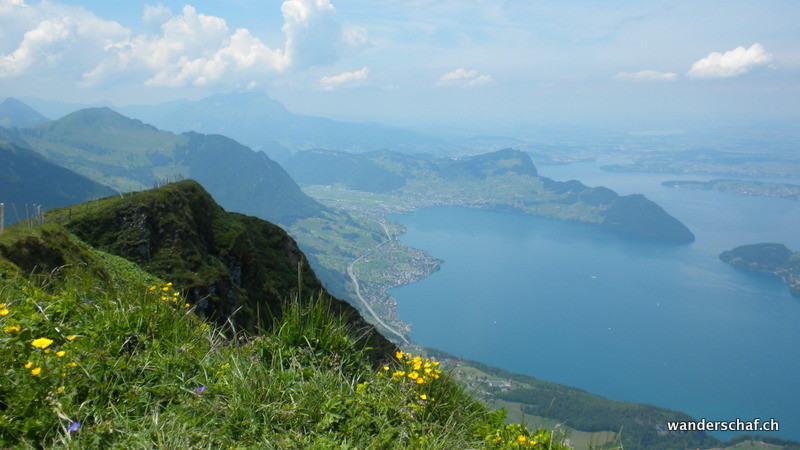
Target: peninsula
x=743 y=187
x=770 y=258
x=504 y=180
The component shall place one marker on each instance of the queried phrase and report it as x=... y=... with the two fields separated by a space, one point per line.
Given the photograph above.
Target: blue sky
x=439 y=62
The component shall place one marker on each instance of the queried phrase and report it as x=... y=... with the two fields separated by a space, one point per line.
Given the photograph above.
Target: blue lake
x=624 y=318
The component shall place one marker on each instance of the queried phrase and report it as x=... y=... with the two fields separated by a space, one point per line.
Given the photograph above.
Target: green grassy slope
x=127 y=154
x=98 y=353
x=28 y=178
x=231 y=267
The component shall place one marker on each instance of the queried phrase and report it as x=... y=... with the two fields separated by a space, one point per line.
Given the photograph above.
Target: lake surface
x=628 y=319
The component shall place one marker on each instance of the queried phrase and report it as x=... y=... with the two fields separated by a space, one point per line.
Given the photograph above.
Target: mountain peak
x=246 y=101
x=14 y=113
x=507 y=159
x=102 y=116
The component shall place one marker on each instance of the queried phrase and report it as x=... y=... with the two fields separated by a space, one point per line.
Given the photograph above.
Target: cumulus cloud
x=464 y=78
x=731 y=63
x=647 y=75
x=189 y=48
x=155 y=16
x=344 y=79
x=45 y=37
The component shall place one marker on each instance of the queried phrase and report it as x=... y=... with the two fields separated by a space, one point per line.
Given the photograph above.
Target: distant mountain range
x=14 y=113
x=127 y=155
x=264 y=124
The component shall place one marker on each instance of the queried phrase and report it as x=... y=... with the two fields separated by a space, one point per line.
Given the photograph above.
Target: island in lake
x=744 y=187
x=770 y=258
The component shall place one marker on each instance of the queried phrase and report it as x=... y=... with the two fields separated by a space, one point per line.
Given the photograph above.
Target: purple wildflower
x=180 y=350
x=201 y=389
x=74 y=426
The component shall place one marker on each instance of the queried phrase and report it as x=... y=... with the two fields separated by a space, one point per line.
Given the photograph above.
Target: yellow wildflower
x=60 y=390
x=413 y=375
x=36 y=371
x=165 y=289
x=42 y=343
x=423 y=396
x=3 y=312
x=169 y=284
x=186 y=305
x=47 y=350
x=385 y=368
x=12 y=328
x=29 y=365
x=72 y=337
x=399 y=373
x=399 y=355
x=521 y=438
x=153 y=288
x=61 y=353
x=72 y=364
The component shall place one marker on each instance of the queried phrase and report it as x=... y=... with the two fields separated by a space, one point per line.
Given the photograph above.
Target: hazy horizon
x=418 y=62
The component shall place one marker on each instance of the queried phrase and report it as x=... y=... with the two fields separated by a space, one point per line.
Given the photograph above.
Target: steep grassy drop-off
x=231 y=267
x=98 y=353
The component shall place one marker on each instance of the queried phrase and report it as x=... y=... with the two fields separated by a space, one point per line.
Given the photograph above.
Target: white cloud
x=189 y=48
x=156 y=16
x=38 y=39
x=464 y=78
x=731 y=63
x=313 y=36
x=192 y=49
x=344 y=79
x=647 y=75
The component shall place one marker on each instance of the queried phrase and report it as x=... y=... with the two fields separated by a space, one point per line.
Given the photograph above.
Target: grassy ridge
x=233 y=268
x=96 y=356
